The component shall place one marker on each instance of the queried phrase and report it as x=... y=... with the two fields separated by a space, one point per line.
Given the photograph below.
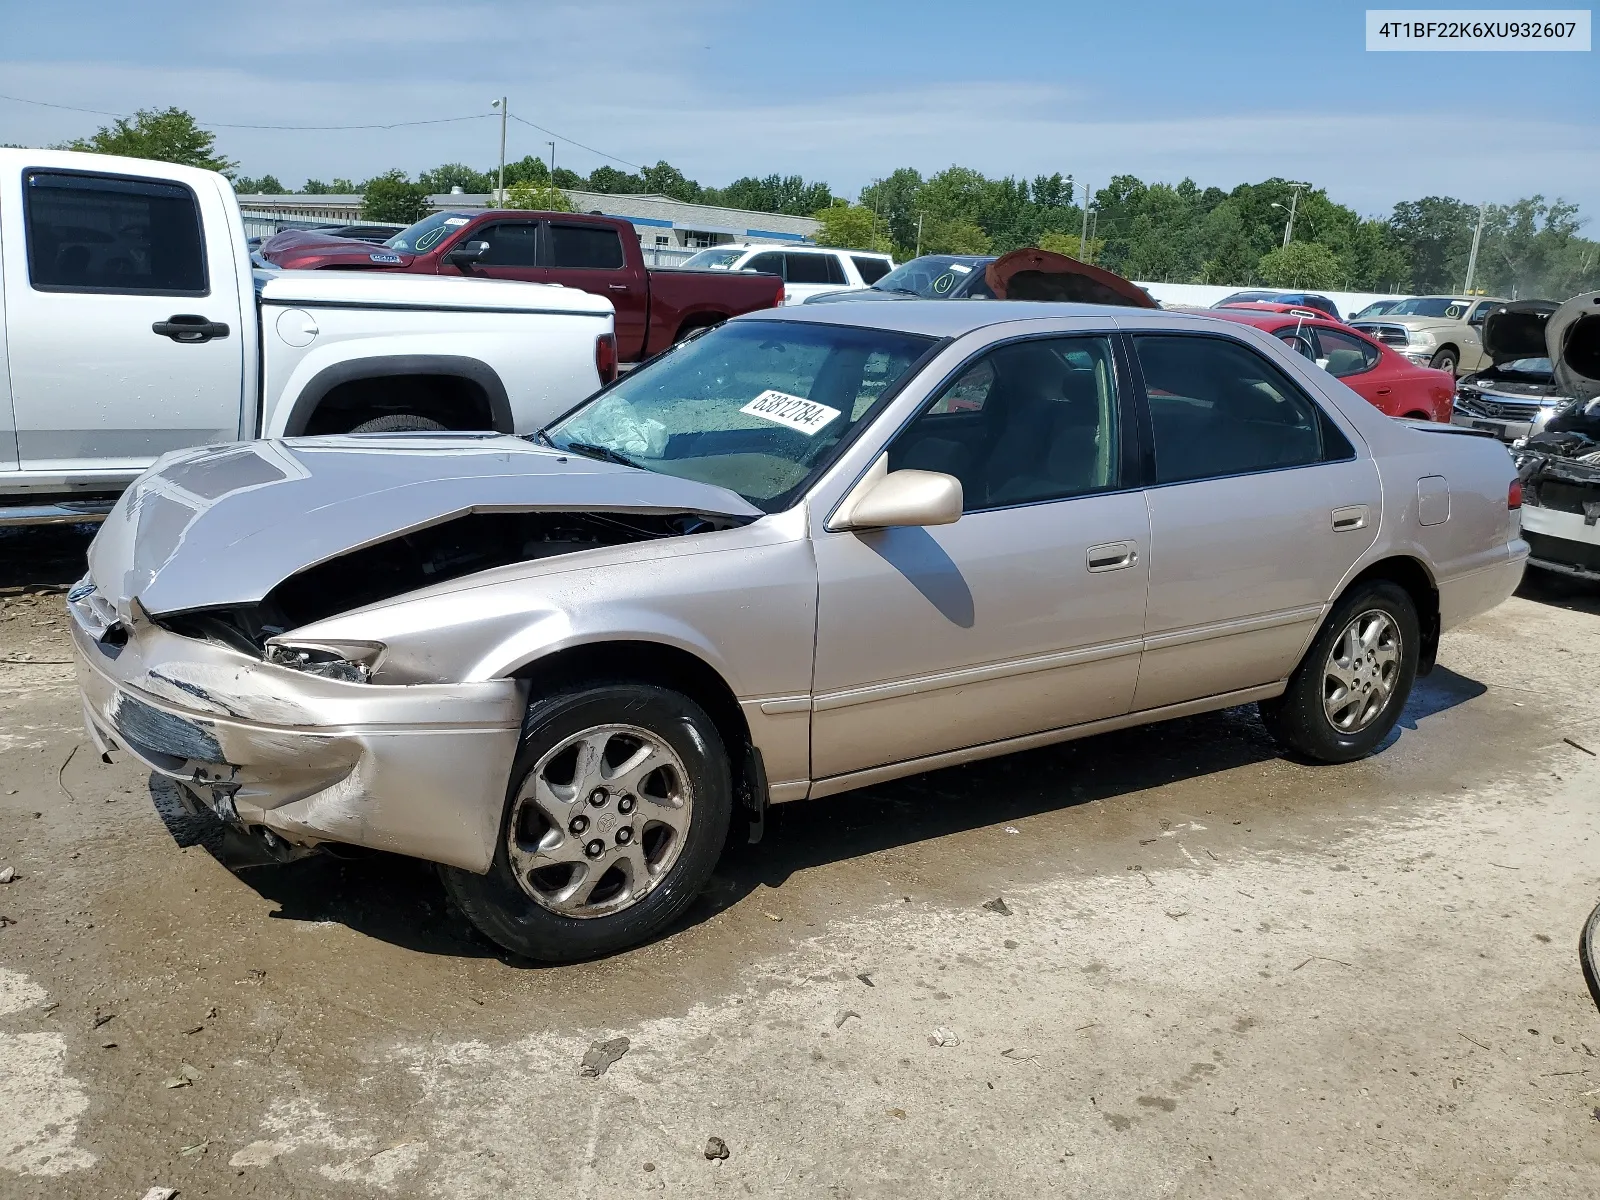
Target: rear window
x=110 y=233
x=585 y=246
x=872 y=269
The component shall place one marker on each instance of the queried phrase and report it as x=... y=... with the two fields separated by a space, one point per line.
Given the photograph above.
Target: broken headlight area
x=347 y=663
x=420 y=558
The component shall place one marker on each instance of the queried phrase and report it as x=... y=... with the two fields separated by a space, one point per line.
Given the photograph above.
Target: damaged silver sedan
x=808 y=551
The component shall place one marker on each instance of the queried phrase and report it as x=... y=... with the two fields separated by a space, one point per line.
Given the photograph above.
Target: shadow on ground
x=401 y=900
x=1562 y=591
x=43 y=558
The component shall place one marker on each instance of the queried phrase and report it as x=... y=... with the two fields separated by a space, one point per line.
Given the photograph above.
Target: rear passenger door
x=1259 y=505
x=592 y=259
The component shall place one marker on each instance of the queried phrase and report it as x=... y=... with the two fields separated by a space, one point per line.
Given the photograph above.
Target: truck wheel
x=1444 y=360
x=399 y=423
x=618 y=806
x=1347 y=692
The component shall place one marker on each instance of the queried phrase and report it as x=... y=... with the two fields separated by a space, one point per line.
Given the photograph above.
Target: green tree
x=343 y=187
x=267 y=185
x=166 y=135
x=1435 y=235
x=448 y=175
x=527 y=169
x=789 y=194
x=1300 y=265
x=540 y=196
x=394 y=198
x=314 y=187
x=896 y=200
x=614 y=182
x=954 y=236
x=1071 y=244
x=850 y=227
x=664 y=179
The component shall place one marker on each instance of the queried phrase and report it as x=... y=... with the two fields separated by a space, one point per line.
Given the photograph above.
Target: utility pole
x=1083 y=240
x=500 y=182
x=552 y=146
x=918 y=254
x=1472 y=259
x=1294 y=200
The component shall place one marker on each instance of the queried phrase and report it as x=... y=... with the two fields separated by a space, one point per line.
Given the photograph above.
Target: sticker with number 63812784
x=806 y=416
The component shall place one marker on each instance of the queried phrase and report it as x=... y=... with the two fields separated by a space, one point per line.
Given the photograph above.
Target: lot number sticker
x=796 y=412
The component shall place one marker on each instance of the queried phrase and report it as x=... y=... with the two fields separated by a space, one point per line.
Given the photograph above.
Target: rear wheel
x=1445 y=360
x=399 y=423
x=618 y=807
x=1347 y=692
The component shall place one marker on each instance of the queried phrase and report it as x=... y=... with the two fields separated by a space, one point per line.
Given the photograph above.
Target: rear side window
x=109 y=233
x=812 y=268
x=871 y=269
x=590 y=246
x=1218 y=408
x=1344 y=354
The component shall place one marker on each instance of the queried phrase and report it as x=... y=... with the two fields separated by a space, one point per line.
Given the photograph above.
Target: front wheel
x=1347 y=692
x=1444 y=360
x=619 y=803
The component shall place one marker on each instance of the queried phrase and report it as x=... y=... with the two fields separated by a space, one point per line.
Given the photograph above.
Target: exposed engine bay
x=422 y=557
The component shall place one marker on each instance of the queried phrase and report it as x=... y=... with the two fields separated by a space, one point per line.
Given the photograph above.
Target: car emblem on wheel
x=607 y=823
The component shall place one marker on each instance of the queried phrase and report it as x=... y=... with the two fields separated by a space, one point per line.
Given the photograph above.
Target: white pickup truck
x=132 y=323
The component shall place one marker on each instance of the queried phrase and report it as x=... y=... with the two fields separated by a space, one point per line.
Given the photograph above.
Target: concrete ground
x=1216 y=973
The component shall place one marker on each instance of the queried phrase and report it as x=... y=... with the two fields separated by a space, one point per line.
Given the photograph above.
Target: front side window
x=768 y=264
x=1027 y=423
x=709 y=260
x=1218 y=408
x=1344 y=354
x=757 y=407
x=511 y=244
x=590 y=247
x=113 y=234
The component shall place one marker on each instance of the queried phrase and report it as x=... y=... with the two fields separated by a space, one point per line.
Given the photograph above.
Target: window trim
x=1327 y=420
x=1133 y=441
x=89 y=290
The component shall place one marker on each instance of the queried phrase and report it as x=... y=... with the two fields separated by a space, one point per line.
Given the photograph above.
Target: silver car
x=812 y=550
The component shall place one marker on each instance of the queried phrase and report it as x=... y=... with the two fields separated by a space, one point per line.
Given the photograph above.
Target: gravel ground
x=1212 y=972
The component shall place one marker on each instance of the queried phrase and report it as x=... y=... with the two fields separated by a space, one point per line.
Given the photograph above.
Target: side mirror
x=467 y=253
x=899 y=498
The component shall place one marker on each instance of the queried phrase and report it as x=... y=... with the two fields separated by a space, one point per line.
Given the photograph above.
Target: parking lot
x=1211 y=972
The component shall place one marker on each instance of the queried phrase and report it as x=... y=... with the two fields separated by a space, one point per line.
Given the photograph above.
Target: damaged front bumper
x=1561 y=513
x=417 y=769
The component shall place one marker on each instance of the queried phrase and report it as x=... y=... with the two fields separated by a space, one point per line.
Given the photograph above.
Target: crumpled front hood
x=223 y=525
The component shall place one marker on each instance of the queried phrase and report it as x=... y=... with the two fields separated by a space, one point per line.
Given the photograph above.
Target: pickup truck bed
x=595 y=254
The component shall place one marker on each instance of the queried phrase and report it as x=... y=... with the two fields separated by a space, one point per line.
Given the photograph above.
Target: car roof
x=1269 y=320
x=952 y=318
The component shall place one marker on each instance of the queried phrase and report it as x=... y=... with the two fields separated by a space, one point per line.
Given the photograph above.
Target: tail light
x=1514 y=495
x=605 y=357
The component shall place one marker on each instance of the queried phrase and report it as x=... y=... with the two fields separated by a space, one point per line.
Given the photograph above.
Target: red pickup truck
x=595 y=254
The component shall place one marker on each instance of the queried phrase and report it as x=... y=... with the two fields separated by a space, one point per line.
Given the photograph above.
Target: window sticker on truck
x=798 y=413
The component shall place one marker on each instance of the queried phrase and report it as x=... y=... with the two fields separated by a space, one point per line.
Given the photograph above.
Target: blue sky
x=842 y=91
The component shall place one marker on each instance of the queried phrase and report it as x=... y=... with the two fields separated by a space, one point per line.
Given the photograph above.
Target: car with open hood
x=1559 y=463
x=1516 y=394
x=1026 y=274
x=1442 y=332
x=809 y=551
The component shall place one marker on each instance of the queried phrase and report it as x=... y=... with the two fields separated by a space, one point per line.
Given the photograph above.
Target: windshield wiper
x=901 y=291
x=603 y=453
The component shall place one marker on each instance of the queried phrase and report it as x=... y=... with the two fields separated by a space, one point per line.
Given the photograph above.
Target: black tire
x=1444 y=360
x=507 y=914
x=400 y=423
x=1298 y=720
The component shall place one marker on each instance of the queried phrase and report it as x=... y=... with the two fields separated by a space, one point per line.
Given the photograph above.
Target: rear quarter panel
x=545 y=360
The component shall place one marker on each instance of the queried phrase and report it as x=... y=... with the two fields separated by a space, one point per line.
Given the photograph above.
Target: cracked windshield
x=756 y=407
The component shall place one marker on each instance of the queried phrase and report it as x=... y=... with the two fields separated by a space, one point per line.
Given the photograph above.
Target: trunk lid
x=1516 y=330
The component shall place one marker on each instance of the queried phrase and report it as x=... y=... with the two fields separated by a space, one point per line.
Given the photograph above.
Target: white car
x=806 y=270
x=132 y=324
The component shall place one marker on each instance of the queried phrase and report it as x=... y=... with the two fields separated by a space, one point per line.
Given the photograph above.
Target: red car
x=1275 y=306
x=1381 y=377
x=655 y=308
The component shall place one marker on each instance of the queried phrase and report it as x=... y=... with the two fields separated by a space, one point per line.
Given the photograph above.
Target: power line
x=579 y=145
x=227 y=125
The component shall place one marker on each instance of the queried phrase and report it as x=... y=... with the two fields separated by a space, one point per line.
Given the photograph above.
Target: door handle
x=1383 y=391
x=1352 y=517
x=188 y=327
x=1112 y=556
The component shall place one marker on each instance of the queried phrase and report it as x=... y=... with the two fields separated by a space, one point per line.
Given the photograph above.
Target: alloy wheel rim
x=599 y=821
x=1361 y=671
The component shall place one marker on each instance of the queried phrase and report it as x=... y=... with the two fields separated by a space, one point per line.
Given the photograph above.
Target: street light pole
x=1472 y=259
x=500 y=182
x=1294 y=200
x=552 y=146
